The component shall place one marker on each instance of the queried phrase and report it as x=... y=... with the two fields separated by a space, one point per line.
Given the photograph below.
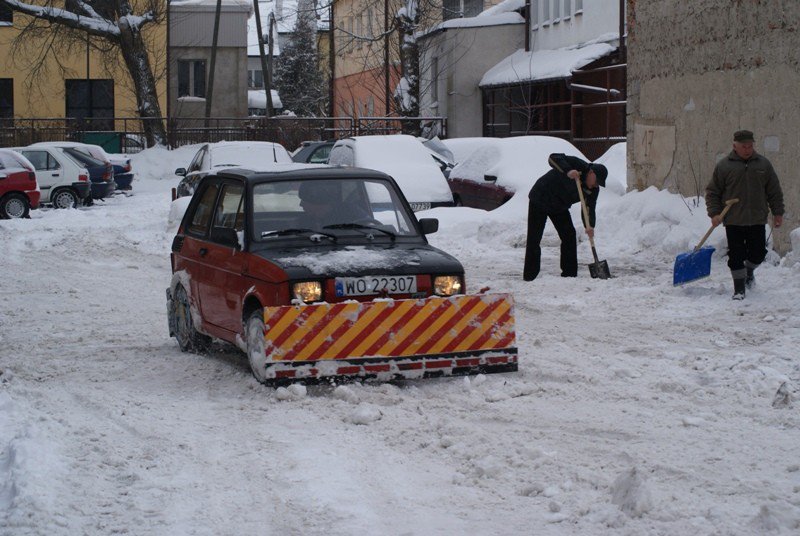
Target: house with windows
x=191 y=33
x=93 y=89
x=564 y=77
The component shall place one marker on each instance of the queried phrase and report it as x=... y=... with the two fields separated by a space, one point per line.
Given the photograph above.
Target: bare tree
x=117 y=30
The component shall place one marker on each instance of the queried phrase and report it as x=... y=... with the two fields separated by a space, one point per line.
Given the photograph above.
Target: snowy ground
x=639 y=408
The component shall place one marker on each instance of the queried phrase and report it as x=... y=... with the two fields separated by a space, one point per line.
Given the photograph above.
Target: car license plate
x=375 y=284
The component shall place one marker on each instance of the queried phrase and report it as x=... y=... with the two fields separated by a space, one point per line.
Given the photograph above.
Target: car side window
x=320 y=155
x=52 y=163
x=194 y=165
x=37 y=158
x=203 y=210
x=230 y=210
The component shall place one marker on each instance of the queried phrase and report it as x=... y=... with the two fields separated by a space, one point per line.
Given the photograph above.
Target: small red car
x=19 y=192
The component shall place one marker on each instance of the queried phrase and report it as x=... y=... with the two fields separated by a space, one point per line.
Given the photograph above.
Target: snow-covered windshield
x=258 y=157
x=333 y=206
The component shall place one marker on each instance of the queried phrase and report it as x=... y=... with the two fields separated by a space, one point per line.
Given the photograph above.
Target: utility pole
x=264 y=71
x=210 y=92
x=268 y=79
x=387 y=95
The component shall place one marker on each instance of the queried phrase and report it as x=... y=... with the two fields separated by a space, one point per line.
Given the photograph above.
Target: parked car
x=313 y=152
x=441 y=155
x=63 y=182
x=501 y=167
x=101 y=174
x=121 y=165
x=402 y=157
x=212 y=157
x=19 y=192
x=317 y=252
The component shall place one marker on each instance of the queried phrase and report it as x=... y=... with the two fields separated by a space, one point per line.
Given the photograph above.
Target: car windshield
x=258 y=157
x=356 y=207
x=81 y=158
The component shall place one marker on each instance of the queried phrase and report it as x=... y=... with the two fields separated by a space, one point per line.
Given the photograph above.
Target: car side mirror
x=490 y=178
x=226 y=236
x=180 y=171
x=429 y=225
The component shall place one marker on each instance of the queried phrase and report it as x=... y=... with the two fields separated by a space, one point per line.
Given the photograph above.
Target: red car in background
x=19 y=192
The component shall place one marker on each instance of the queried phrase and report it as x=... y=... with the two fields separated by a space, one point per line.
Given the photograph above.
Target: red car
x=18 y=190
x=317 y=273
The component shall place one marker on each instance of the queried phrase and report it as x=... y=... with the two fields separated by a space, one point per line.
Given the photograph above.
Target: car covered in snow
x=320 y=272
x=213 y=157
x=121 y=164
x=19 y=192
x=497 y=168
x=402 y=157
x=63 y=182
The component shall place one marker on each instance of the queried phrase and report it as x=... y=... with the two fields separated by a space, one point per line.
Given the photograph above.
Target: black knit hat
x=601 y=172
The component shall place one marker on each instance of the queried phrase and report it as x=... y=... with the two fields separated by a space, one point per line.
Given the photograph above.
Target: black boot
x=738 y=289
x=750 y=280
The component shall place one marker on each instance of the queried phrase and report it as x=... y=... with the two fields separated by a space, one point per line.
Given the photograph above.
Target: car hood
x=358 y=260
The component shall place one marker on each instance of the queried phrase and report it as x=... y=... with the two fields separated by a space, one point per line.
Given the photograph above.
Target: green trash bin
x=111 y=142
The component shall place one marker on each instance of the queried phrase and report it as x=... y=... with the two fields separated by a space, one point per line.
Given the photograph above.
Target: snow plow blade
x=391 y=339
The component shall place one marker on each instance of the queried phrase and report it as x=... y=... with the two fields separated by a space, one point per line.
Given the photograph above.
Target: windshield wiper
x=298 y=231
x=359 y=226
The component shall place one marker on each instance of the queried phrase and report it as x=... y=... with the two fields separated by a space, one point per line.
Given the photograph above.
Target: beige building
x=697 y=72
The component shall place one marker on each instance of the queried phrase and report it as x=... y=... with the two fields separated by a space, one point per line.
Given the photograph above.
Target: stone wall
x=698 y=71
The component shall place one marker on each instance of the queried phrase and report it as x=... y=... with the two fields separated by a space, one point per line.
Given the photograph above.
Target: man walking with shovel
x=748 y=176
x=551 y=197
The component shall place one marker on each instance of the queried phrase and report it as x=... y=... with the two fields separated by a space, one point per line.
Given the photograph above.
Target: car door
x=195 y=170
x=224 y=285
x=48 y=171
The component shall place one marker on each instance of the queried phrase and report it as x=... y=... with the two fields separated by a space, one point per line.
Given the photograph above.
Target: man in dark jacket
x=551 y=197
x=749 y=177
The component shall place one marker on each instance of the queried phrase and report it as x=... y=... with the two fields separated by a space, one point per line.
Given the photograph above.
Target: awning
x=524 y=66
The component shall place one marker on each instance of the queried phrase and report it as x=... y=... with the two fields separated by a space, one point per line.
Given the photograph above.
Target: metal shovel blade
x=599 y=270
x=692 y=265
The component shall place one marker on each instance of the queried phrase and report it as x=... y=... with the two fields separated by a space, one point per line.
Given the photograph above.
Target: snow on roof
x=507 y=6
x=524 y=66
x=257 y=98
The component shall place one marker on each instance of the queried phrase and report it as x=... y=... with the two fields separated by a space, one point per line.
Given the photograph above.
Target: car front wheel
x=256 y=347
x=64 y=198
x=189 y=339
x=14 y=205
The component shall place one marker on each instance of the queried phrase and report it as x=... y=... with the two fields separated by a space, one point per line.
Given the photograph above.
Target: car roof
x=292 y=173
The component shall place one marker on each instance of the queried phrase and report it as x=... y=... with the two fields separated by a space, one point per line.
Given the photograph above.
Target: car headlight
x=447 y=285
x=307 y=291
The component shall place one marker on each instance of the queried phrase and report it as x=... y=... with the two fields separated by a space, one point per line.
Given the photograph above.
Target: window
x=255 y=79
x=41 y=160
x=202 y=212
x=320 y=155
x=453 y=9
x=91 y=101
x=435 y=80
x=578 y=7
x=230 y=211
x=6 y=16
x=545 y=12
x=534 y=14
x=6 y=100
x=192 y=78
x=556 y=11
x=567 y=9
x=359 y=30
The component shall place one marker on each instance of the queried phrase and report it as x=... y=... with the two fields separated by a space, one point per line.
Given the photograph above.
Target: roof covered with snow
x=522 y=66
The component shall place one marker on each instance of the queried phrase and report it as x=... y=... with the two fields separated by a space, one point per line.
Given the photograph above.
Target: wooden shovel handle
x=728 y=204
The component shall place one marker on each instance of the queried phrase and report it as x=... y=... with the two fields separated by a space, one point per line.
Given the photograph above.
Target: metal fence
x=126 y=135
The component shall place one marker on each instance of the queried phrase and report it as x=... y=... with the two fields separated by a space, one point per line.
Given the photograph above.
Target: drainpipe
x=332 y=61
x=622 y=51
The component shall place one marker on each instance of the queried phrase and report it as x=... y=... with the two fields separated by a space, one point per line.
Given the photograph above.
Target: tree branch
x=96 y=26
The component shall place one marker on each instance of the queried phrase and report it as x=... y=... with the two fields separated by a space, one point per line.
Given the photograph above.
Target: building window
x=545 y=12
x=435 y=81
x=578 y=7
x=538 y=108
x=255 y=79
x=454 y=9
x=556 y=11
x=567 y=9
x=6 y=100
x=6 y=16
x=91 y=101
x=192 y=78
x=534 y=14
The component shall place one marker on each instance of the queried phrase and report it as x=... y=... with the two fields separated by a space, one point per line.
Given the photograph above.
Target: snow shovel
x=598 y=269
x=696 y=264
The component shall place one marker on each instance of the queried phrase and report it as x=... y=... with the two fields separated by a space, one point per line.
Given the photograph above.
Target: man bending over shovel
x=748 y=176
x=551 y=197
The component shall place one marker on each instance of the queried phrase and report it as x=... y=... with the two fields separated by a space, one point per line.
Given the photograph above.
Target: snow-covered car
x=313 y=152
x=402 y=157
x=122 y=168
x=213 y=157
x=19 y=192
x=63 y=182
x=322 y=272
x=101 y=174
x=498 y=168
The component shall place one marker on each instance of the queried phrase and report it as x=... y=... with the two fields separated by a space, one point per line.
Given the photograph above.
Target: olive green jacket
x=753 y=182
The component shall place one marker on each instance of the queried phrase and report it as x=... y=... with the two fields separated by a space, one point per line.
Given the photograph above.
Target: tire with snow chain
x=64 y=198
x=189 y=339
x=14 y=205
x=254 y=331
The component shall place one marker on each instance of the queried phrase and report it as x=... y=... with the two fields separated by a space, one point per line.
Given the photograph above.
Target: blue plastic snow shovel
x=696 y=264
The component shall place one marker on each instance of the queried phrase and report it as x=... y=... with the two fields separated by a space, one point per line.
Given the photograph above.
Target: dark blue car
x=101 y=174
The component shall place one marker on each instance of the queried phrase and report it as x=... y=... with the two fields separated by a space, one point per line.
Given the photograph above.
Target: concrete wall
x=464 y=55
x=698 y=71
